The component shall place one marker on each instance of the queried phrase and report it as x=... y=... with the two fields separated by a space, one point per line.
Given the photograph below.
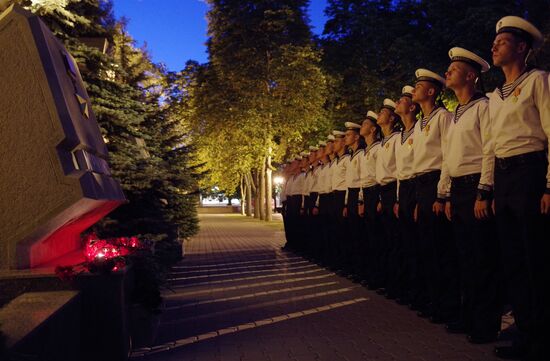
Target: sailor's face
x=365 y=127
x=402 y=105
x=504 y=49
x=383 y=116
x=350 y=137
x=338 y=144
x=420 y=91
x=455 y=75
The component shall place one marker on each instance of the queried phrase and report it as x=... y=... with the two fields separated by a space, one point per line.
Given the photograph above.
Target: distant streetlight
x=278 y=180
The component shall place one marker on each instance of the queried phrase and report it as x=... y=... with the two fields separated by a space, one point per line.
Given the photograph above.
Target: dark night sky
x=175 y=30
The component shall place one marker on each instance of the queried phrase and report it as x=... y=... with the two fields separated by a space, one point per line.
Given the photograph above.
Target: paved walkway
x=237 y=296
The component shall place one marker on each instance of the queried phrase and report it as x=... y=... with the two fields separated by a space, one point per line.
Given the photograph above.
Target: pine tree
x=125 y=88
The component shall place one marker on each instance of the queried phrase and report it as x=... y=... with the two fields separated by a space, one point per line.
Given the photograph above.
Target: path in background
x=237 y=296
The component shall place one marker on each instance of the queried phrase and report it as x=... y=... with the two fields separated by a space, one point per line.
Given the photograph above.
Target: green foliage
x=144 y=134
x=263 y=91
x=372 y=48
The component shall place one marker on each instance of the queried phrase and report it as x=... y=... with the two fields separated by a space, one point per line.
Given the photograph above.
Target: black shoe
x=402 y=301
x=424 y=314
x=455 y=327
x=478 y=340
x=373 y=286
x=509 y=352
x=381 y=291
x=438 y=320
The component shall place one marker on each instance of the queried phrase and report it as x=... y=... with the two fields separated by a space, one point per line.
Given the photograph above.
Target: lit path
x=237 y=296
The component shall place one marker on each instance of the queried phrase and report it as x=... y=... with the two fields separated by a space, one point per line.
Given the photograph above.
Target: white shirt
x=367 y=158
x=353 y=170
x=404 y=155
x=469 y=143
x=308 y=182
x=386 y=171
x=316 y=184
x=327 y=177
x=285 y=193
x=298 y=184
x=521 y=122
x=339 y=173
x=429 y=141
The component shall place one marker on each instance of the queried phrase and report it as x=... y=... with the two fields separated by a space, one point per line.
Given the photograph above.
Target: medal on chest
x=516 y=94
x=410 y=143
x=427 y=129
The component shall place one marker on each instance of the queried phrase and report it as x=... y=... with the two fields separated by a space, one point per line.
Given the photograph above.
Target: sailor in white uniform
x=369 y=197
x=294 y=201
x=287 y=174
x=325 y=203
x=519 y=112
x=316 y=222
x=404 y=208
x=471 y=173
x=438 y=254
x=353 y=143
x=310 y=232
x=386 y=176
x=339 y=189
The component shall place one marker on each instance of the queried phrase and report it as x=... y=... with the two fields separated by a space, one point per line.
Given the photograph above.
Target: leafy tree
x=261 y=93
x=372 y=48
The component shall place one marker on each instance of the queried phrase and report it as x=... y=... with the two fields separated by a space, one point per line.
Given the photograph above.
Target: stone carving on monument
x=55 y=180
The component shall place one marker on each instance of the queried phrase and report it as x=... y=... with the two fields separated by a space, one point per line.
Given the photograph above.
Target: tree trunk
x=256 y=194
x=243 y=196
x=268 y=189
x=262 y=192
x=248 y=195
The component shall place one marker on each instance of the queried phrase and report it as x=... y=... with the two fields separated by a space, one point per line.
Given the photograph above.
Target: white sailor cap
x=521 y=28
x=338 y=133
x=352 y=126
x=305 y=153
x=389 y=104
x=372 y=116
x=466 y=56
x=331 y=138
x=313 y=148
x=407 y=91
x=322 y=143
x=428 y=75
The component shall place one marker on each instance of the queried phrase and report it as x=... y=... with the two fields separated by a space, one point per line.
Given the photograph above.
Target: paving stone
x=238 y=296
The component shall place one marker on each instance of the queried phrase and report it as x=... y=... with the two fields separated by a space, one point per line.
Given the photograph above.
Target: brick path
x=237 y=296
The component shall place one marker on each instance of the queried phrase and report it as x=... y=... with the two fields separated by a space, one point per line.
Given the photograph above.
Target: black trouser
x=325 y=208
x=408 y=242
x=478 y=260
x=372 y=237
x=339 y=229
x=284 y=213
x=312 y=226
x=294 y=203
x=355 y=226
x=389 y=258
x=438 y=255
x=524 y=236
